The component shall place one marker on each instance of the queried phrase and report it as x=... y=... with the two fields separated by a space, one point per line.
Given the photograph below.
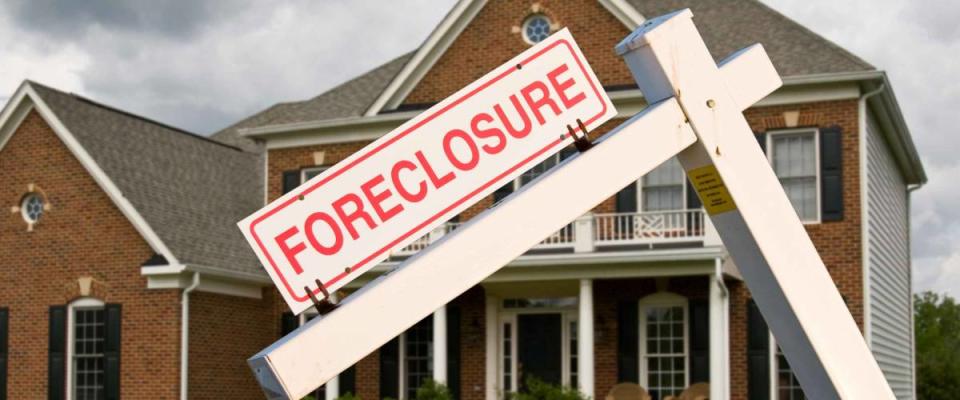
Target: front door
x=539 y=348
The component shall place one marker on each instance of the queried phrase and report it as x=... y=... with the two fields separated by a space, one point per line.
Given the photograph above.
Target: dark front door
x=539 y=348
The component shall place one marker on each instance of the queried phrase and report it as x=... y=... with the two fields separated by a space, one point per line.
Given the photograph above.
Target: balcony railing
x=593 y=231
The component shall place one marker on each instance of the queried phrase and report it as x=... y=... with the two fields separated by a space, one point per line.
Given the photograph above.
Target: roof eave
x=890 y=117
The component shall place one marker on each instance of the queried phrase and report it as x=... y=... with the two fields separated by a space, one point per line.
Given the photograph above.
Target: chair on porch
x=627 y=391
x=697 y=391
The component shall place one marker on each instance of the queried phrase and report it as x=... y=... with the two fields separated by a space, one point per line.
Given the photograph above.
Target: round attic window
x=31 y=208
x=536 y=28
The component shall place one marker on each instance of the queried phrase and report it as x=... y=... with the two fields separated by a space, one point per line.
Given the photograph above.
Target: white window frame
x=663 y=299
x=774 y=370
x=319 y=169
x=509 y=315
x=816 y=150
x=639 y=183
x=402 y=364
x=526 y=22
x=84 y=302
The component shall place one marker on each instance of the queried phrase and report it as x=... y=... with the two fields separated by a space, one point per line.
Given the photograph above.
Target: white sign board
x=398 y=188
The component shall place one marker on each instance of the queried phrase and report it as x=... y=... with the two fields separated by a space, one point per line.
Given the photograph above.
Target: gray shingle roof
x=730 y=25
x=191 y=190
x=349 y=99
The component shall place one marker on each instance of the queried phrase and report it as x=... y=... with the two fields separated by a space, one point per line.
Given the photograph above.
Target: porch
x=662 y=324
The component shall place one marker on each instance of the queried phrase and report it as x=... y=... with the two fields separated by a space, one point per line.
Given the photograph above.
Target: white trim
x=625 y=13
x=85 y=302
x=318 y=169
x=215 y=280
x=26 y=91
x=864 y=218
x=663 y=299
x=816 y=150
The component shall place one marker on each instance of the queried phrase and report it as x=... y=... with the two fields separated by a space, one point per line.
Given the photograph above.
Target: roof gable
x=476 y=36
x=182 y=192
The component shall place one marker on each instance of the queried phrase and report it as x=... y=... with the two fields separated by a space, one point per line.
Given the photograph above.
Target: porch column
x=719 y=336
x=585 y=339
x=332 y=387
x=440 y=345
x=490 y=316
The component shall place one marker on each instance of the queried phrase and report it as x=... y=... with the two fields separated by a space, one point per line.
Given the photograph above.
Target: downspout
x=185 y=333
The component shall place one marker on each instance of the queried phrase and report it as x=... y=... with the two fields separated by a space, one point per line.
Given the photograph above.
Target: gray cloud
x=68 y=19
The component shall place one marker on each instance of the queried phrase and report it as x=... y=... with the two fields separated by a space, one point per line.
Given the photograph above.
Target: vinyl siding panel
x=888 y=259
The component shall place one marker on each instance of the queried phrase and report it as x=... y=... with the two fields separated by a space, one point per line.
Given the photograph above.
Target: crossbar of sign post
x=344 y=221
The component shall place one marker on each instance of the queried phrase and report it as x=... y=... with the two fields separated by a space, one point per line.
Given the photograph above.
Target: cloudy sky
x=204 y=64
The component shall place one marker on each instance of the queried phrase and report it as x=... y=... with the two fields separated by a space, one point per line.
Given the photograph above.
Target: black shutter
x=291 y=179
x=348 y=381
x=288 y=323
x=390 y=369
x=627 y=199
x=453 y=350
x=762 y=141
x=502 y=192
x=57 y=353
x=628 y=342
x=699 y=341
x=758 y=354
x=831 y=174
x=111 y=352
x=4 y=350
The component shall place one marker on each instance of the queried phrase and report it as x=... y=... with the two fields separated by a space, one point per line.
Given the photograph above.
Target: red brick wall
x=838 y=242
x=224 y=332
x=489 y=41
x=83 y=235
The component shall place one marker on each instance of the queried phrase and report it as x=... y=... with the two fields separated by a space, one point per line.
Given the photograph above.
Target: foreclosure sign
x=398 y=188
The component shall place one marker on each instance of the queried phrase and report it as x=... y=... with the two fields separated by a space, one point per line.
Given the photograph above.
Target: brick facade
x=83 y=235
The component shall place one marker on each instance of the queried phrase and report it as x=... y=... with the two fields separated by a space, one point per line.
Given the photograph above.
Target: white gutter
x=185 y=334
x=862 y=121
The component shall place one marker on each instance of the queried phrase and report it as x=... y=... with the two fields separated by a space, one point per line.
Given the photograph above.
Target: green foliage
x=348 y=396
x=937 y=335
x=431 y=390
x=540 y=390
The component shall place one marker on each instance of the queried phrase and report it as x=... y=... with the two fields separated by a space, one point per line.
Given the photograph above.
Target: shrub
x=540 y=390
x=431 y=390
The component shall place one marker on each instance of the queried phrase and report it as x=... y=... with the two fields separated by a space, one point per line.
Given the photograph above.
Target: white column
x=490 y=317
x=332 y=389
x=585 y=339
x=440 y=345
x=719 y=336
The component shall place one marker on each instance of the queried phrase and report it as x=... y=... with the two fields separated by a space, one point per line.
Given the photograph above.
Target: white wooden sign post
x=695 y=112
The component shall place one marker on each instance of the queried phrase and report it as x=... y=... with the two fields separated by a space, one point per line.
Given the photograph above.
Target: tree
x=937 y=322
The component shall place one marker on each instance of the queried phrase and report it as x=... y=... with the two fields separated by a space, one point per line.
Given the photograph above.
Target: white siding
x=888 y=259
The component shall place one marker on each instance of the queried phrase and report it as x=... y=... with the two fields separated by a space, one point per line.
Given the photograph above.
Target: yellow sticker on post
x=713 y=193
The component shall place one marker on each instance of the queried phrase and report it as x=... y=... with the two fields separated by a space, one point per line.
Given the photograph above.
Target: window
x=785 y=384
x=416 y=356
x=31 y=207
x=663 y=345
x=663 y=188
x=507 y=359
x=795 y=160
x=308 y=173
x=512 y=313
x=85 y=366
x=572 y=326
x=536 y=28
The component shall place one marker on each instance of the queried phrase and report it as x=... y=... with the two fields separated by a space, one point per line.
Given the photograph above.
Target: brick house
x=122 y=234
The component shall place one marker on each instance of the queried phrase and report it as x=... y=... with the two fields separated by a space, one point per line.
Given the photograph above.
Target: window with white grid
x=417 y=357
x=308 y=173
x=87 y=361
x=794 y=159
x=663 y=327
x=663 y=187
x=786 y=386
